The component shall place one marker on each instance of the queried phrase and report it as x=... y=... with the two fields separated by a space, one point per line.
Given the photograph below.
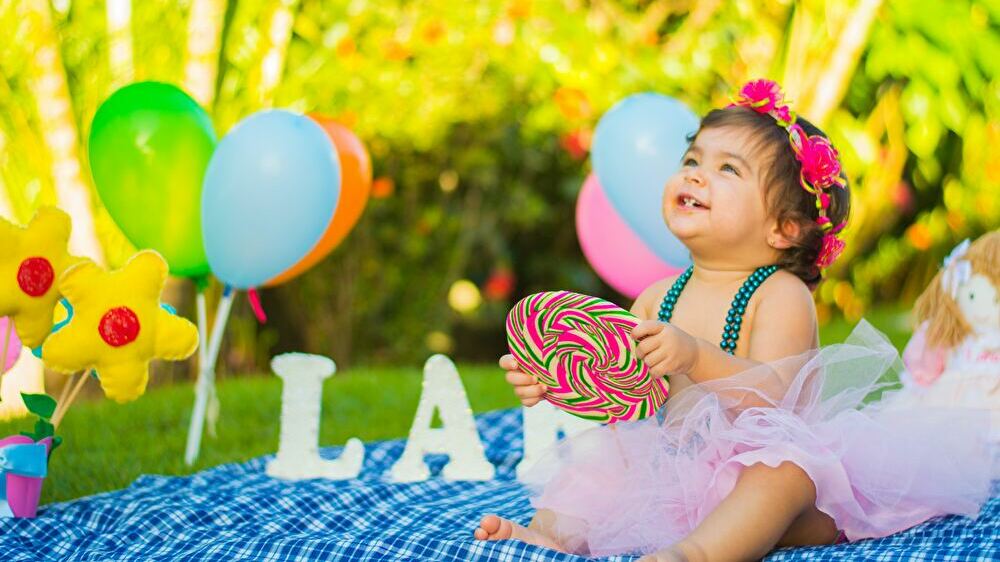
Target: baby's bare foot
x=493 y=528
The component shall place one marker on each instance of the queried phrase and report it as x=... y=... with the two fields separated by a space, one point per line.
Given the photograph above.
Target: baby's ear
x=784 y=234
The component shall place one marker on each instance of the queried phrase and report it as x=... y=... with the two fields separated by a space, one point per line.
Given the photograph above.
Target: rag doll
x=953 y=359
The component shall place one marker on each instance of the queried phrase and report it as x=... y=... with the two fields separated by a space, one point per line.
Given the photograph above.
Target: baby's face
x=978 y=300
x=715 y=202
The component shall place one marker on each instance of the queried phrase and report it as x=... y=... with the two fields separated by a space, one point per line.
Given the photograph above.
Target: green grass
x=108 y=445
x=894 y=323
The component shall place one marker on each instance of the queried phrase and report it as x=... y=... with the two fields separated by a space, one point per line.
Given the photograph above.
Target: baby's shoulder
x=785 y=288
x=785 y=284
x=783 y=322
x=649 y=298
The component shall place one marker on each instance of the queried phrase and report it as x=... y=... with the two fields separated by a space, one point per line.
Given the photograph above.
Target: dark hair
x=785 y=198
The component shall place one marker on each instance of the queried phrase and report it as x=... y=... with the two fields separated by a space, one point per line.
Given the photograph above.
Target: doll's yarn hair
x=947 y=326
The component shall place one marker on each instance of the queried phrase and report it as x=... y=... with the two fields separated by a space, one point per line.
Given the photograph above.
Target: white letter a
x=458 y=438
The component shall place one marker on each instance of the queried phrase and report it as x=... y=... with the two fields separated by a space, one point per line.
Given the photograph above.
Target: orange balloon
x=355 y=186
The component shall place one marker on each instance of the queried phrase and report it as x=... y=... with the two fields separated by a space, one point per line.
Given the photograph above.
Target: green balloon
x=150 y=144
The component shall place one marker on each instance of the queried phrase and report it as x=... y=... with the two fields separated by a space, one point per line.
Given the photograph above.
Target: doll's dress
x=966 y=377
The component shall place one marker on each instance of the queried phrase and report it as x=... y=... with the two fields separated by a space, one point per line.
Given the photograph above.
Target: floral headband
x=821 y=169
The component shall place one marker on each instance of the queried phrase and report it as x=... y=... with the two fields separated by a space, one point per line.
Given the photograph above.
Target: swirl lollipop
x=581 y=348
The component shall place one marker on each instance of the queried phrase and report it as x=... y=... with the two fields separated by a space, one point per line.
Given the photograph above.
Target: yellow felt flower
x=118 y=326
x=31 y=261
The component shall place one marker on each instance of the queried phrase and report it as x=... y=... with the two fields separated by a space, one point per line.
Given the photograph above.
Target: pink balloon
x=615 y=252
x=13 y=344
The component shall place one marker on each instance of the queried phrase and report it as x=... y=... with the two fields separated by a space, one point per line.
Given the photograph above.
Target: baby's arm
x=645 y=304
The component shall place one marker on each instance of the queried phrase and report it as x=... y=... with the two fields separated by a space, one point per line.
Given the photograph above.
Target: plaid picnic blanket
x=236 y=512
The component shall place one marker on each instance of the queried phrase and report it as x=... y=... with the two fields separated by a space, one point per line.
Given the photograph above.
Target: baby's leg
x=494 y=528
x=567 y=532
x=766 y=506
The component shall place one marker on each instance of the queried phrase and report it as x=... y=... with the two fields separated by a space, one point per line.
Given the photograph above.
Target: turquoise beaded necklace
x=734 y=319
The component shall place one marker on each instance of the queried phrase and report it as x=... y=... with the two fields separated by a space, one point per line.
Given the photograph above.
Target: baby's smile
x=689 y=202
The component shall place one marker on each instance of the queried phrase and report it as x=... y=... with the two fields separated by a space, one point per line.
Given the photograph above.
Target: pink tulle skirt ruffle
x=636 y=487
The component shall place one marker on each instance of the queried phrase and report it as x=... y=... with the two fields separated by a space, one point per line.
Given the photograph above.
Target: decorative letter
x=542 y=424
x=443 y=390
x=301 y=398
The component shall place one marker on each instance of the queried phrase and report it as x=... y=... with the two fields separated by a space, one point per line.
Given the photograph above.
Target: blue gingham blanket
x=236 y=512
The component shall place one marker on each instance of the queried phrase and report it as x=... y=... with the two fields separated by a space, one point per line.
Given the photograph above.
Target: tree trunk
x=839 y=68
x=201 y=67
x=119 y=18
x=6 y=209
x=58 y=126
x=278 y=34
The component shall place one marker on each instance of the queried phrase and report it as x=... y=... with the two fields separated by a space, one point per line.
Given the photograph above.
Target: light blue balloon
x=637 y=146
x=270 y=191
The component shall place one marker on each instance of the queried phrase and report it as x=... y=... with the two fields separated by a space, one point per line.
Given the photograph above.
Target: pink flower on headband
x=830 y=251
x=761 y=95
x=783 y=114
x=820 y=165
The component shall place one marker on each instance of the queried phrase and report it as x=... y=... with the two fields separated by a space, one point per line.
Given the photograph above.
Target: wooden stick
x=58 y=416
x=618 y=444
x=64 y=394
x=6 y=346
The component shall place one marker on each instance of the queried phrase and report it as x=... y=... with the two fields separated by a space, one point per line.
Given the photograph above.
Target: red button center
x=35 y=276
x=119 y=326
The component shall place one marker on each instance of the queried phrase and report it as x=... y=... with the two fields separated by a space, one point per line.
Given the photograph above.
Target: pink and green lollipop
x=581 y=348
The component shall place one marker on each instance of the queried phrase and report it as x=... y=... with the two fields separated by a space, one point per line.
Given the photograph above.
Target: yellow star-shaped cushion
x=31 y=261
x=118 y=326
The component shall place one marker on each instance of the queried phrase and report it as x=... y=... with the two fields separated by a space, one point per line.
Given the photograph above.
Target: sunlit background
x=479 y=115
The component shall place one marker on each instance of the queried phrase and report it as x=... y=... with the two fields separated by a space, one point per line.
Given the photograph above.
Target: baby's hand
x=526 y=387
x=664 y=348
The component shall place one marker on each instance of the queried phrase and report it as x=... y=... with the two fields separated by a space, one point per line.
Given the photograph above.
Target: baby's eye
x=729 y=168
x=690 y=162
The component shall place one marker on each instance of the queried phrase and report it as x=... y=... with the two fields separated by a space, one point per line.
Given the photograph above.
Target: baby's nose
x=694 y=177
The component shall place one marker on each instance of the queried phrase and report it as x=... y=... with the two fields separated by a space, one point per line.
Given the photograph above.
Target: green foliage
x=479 y=113
x=942 y=59
x=43 y=406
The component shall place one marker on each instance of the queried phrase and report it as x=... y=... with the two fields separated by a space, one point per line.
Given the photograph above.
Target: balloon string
x=258 y=310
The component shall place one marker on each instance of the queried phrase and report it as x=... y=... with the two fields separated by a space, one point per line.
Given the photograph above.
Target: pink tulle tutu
x=635 y=487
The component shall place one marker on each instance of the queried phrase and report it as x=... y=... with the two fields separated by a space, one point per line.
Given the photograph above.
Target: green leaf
x=42 y=405
x=56 y=441
x=43 y=429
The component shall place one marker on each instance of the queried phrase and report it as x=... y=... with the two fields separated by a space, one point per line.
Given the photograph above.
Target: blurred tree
x=46 y=78
x=204 y=35
x=479 y=116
